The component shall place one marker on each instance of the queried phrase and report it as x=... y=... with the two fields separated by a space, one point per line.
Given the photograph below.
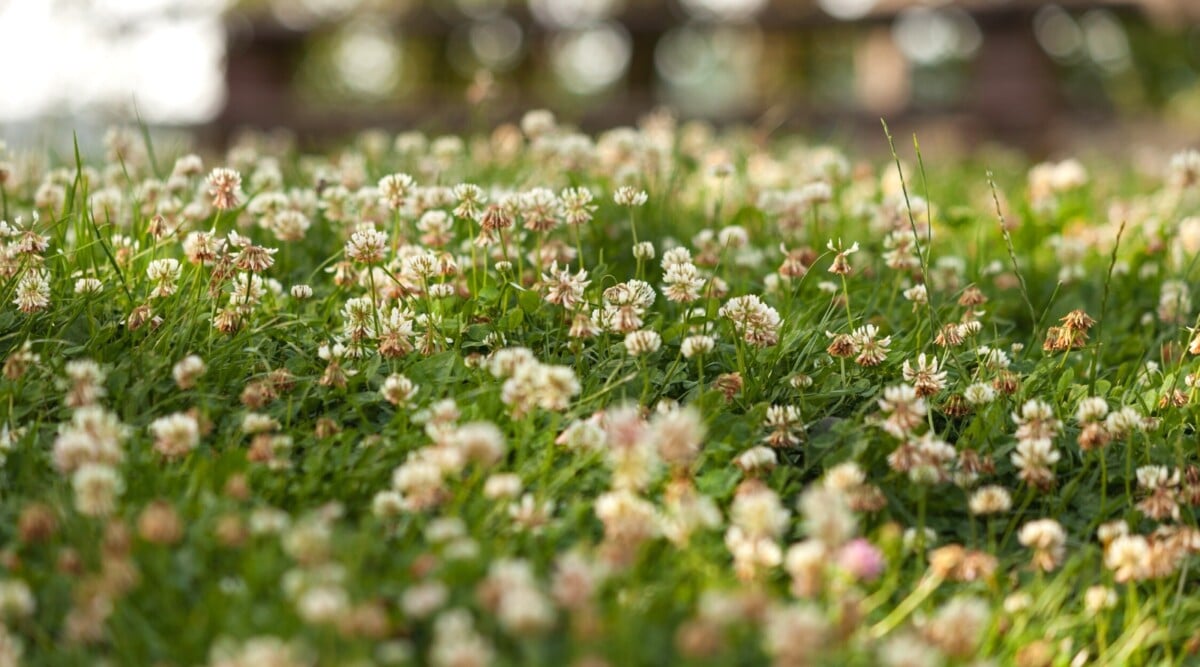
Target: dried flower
x=225 y=187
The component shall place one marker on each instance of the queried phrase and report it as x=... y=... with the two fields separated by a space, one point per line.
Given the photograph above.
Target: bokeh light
x=573 y=13
x=1107 y=44
x=496 y=43
x=588 y=60
x=930 y=36
x=1058 y=33
x=98 y=58
x=303 y=14
x=481 y=9
x=712 y=69
x=724 y=10
x=368 y=58
x=847 y=10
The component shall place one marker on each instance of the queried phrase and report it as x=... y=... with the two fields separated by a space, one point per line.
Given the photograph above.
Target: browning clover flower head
x=494 y=219
x=203 y=247
x=250 y=257
x=957 y=405
x=563 y=288
x=729 y=384
x=971 y=297
x=583 y=326
x=1071 y=336
x=1077 y=320
x=225 y=187
x=1174 y=398
x=19 y=361
x=1093 y=436
x=1006 y=382
x=25 y=241
x=950 y=335
x=139 y=316
x=841 y=346
x=841 y=262
x=159 y=524
x=796 y=262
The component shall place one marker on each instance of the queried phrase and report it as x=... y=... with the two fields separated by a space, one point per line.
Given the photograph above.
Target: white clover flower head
x=1091 y=409
x=367 y=246
x=840 y=249
x=88 y=286
x=979 y=393
x=163 y=273
x=630 y=197
x=697 y=345
x=643 y=342
x=188 y=370
x=394 y=190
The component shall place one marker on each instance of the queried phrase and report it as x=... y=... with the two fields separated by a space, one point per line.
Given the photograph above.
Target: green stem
x=907 y=606
x=578 y=246
x=849 y=316
x=374 y=304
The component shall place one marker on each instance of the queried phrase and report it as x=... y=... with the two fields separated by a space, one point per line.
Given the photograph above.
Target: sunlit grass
x=660 y=396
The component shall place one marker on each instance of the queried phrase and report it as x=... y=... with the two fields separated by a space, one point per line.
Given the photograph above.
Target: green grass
x=292 y=534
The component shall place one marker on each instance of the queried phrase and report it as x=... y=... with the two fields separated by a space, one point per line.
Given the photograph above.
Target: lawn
x=663 y=395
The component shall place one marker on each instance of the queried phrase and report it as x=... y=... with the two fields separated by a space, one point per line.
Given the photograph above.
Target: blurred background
x=1031 y=73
